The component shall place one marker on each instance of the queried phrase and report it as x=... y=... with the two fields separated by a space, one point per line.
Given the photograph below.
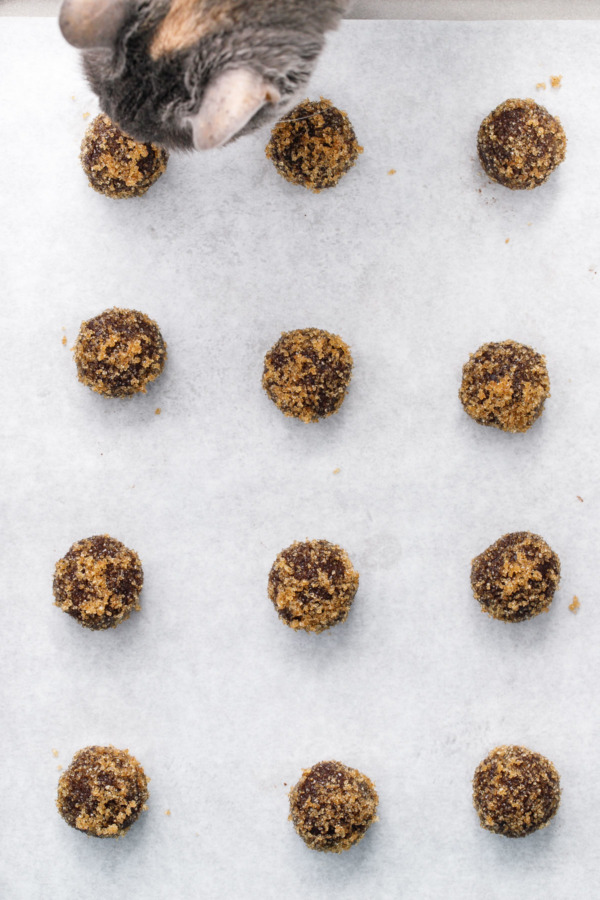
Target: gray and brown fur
x=153 y=63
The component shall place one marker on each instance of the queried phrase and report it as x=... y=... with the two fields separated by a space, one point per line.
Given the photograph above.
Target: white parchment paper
x=221 y=703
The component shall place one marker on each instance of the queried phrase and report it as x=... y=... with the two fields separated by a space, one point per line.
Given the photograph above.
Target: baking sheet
x=220 y=702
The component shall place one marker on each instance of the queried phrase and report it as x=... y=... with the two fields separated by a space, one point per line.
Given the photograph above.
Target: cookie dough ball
x=115 y=164
x=515 y=791
x=505 y=385
x=332 y=806
x=520 y=144
x=119 y=352
x=98 y=582
x=314 y=145
x=307 y=373
x=312 y=585
x=515 y=579
x=103 y=791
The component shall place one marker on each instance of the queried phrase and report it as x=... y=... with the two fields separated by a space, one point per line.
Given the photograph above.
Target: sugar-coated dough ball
x=307 y=373
x=515 y=791
x=505 y=385
x=119 y=352
x=314 y=145
x=103 y=791
x=98 y=582
x=332 y=806
x=115 y=164
x=312 y=585
x=515 y=579
x=520 y=144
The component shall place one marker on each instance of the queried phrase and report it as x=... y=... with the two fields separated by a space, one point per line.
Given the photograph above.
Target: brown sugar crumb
x=119 y=352
x=314 y=145
x=520 y=144
x=505 y=385
x=574 y=604
x=115 y=164
x=332 y=806
x=98 y=582
x=157 y=411
x=312 y=585
x=307 y=373
x=555 y=80
x=102 y=792
x=516 y=578
x=515 y=791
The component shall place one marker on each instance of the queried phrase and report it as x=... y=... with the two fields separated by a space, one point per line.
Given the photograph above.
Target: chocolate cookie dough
x=98 y=582
x=119 y=352
x=520 y=144
x=307 y=373
x=312 y=585
x=515 y=791
x=505 y=385
x=103 y=791
x=515 y=579
x=115 y=164
x=332 y=806
x=314 y=145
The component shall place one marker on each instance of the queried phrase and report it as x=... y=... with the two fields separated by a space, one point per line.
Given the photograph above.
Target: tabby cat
x=197 y=73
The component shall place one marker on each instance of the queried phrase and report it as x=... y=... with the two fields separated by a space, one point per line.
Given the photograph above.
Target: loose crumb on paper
x=86 y=115
x=541 y=86
x=574 y=604
x=580 y=498
x=507 y=241
x=337 y=471
x=168 y=812
x=64 y=340
x=392 y=172
x=157 y=411
x=555 y=80
x=59 y=768
x=54 y=753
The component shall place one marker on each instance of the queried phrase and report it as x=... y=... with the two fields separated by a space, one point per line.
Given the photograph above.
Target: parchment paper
x=224 y=705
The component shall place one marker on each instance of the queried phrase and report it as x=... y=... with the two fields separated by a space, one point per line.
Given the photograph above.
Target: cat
x=196 y=74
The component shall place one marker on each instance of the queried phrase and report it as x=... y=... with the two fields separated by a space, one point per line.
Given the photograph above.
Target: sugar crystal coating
x=312 y=585
x=98 y=582
x=119 y=352
x=307 y=373
x=516 y=577
x=505 y=385
x=115 y=164
x=332 y=806
x=515 y=791
x=102 y=792
x=520 y=144
x=314 y=145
